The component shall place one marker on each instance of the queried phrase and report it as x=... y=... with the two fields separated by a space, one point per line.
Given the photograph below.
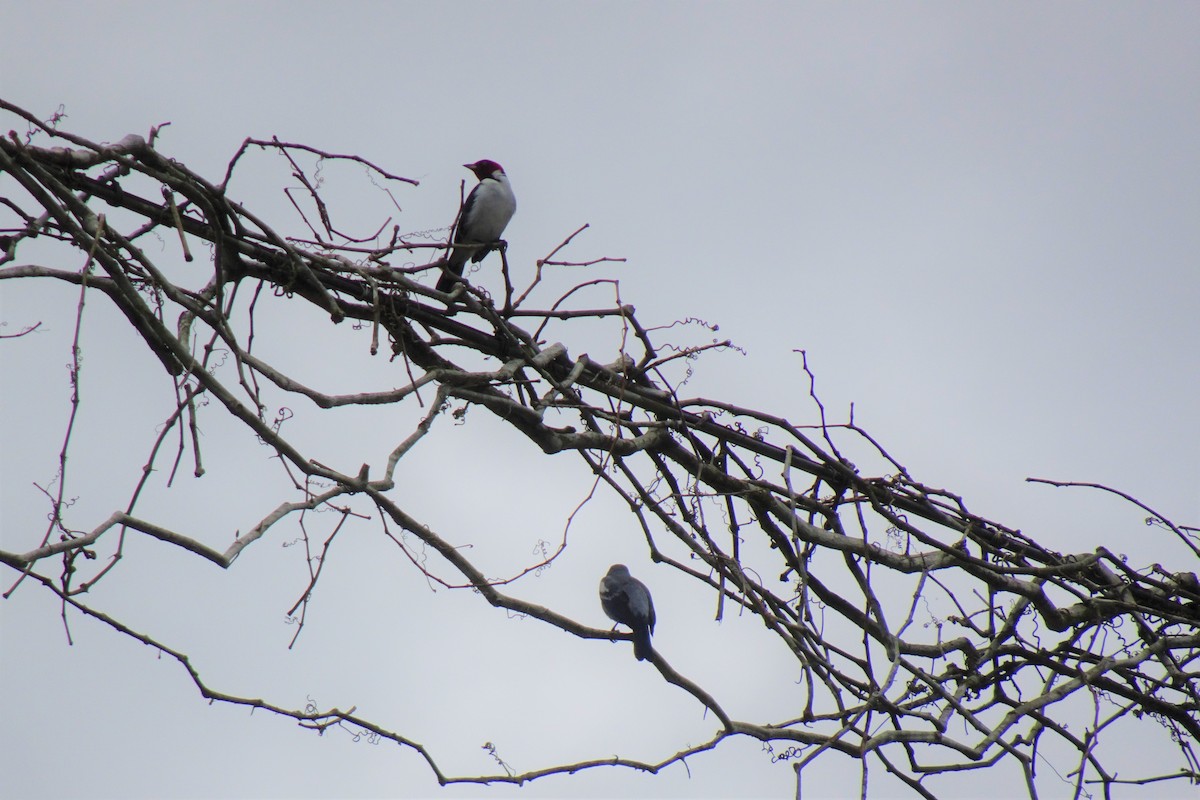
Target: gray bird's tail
x=641 y=643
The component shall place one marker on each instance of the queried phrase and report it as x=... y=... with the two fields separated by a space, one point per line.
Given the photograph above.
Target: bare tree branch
x=929 y=640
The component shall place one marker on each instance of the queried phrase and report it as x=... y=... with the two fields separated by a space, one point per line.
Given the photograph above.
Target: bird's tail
x=641 y=643
x=452 y=269
x=447 y=281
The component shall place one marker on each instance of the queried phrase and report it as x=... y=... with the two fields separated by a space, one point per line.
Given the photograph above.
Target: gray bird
x=626 y=601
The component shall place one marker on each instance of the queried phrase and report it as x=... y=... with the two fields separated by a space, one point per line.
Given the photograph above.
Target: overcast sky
x=979 y=220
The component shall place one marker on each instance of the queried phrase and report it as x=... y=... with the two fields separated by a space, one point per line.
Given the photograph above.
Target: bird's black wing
x=465 y=214
x=478 y=253
x=458 y=256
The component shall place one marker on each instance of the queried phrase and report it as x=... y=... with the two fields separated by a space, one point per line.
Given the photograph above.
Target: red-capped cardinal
x=489 y=207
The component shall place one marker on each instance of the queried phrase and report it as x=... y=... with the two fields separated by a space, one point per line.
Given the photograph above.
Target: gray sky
x=980 y=221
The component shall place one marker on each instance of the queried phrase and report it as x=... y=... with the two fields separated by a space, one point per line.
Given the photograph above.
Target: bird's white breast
x=493 y=208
